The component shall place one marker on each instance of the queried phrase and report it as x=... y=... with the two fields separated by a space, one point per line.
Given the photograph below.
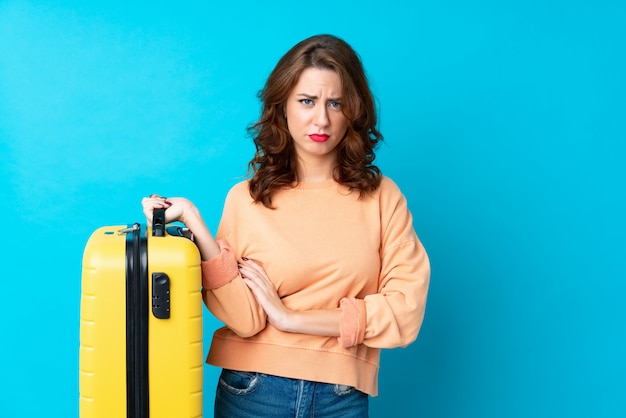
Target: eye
x=306 y=101
x=334 y=105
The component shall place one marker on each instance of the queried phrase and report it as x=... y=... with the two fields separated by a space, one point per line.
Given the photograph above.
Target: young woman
x=316 y=265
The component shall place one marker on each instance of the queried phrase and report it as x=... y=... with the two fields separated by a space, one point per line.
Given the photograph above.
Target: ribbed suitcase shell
x=175 y=353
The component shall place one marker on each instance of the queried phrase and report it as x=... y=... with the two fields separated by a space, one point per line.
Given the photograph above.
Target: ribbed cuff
x=352 y=322
x=221 y=269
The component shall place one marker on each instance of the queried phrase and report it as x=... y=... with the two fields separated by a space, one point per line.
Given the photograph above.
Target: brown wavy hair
x=274 y=164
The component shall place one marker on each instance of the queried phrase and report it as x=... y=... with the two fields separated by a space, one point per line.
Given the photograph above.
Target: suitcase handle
x=158 y=223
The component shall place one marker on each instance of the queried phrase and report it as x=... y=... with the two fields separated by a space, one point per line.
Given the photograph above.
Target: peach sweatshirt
x=323 y=248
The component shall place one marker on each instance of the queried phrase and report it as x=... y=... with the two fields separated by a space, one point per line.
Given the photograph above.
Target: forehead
x=317 y=80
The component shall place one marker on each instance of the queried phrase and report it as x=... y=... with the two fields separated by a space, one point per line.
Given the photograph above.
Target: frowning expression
x=314 y=116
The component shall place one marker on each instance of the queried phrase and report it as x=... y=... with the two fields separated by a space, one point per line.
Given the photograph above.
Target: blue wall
x=504 y=125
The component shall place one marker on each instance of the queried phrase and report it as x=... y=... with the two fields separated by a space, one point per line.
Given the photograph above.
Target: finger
x=254 y=265
x=248 y=273
x=151 y=203
x=156 y=204
x=251 y=285
x=155 y=198
x=258 y=276
x=255 y=289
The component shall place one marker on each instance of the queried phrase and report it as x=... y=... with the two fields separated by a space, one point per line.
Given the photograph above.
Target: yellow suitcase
x=141 y=352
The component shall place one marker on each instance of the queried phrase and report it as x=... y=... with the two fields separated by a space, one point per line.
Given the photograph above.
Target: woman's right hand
x=175 y=207
x=183 y=210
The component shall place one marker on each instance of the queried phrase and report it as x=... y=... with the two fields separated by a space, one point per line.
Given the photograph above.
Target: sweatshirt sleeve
x=224 y=293
x=394 y=315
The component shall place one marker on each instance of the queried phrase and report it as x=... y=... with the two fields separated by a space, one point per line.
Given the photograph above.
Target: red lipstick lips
x=319 y=137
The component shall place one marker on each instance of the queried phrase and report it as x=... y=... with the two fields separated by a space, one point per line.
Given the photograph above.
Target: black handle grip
x=158 y=223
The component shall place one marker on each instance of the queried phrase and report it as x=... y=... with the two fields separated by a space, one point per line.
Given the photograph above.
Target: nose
x=321 y=116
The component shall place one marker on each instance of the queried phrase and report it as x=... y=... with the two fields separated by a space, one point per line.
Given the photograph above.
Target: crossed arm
x=313 y=322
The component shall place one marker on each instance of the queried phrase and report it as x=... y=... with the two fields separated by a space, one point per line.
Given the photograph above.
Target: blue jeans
x=246 y=395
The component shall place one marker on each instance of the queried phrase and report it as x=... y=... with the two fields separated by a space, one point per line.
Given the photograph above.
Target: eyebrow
x=313 y=97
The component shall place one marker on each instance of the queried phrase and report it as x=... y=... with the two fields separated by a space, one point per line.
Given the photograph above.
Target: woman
x=316 y=266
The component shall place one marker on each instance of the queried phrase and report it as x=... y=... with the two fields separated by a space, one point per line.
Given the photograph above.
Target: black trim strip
x=137 y=398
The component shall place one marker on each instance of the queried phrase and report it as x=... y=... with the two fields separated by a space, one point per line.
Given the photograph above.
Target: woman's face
x=314 y=117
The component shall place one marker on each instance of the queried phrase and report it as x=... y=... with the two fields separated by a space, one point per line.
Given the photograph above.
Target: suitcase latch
x=161 y=295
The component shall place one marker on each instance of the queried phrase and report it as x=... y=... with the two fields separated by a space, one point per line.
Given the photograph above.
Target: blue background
x=504 y=126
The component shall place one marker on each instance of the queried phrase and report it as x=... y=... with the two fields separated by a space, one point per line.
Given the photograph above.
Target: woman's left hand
x=255 y=277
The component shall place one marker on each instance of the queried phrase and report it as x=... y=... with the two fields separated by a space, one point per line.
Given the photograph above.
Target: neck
x=316 y=170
